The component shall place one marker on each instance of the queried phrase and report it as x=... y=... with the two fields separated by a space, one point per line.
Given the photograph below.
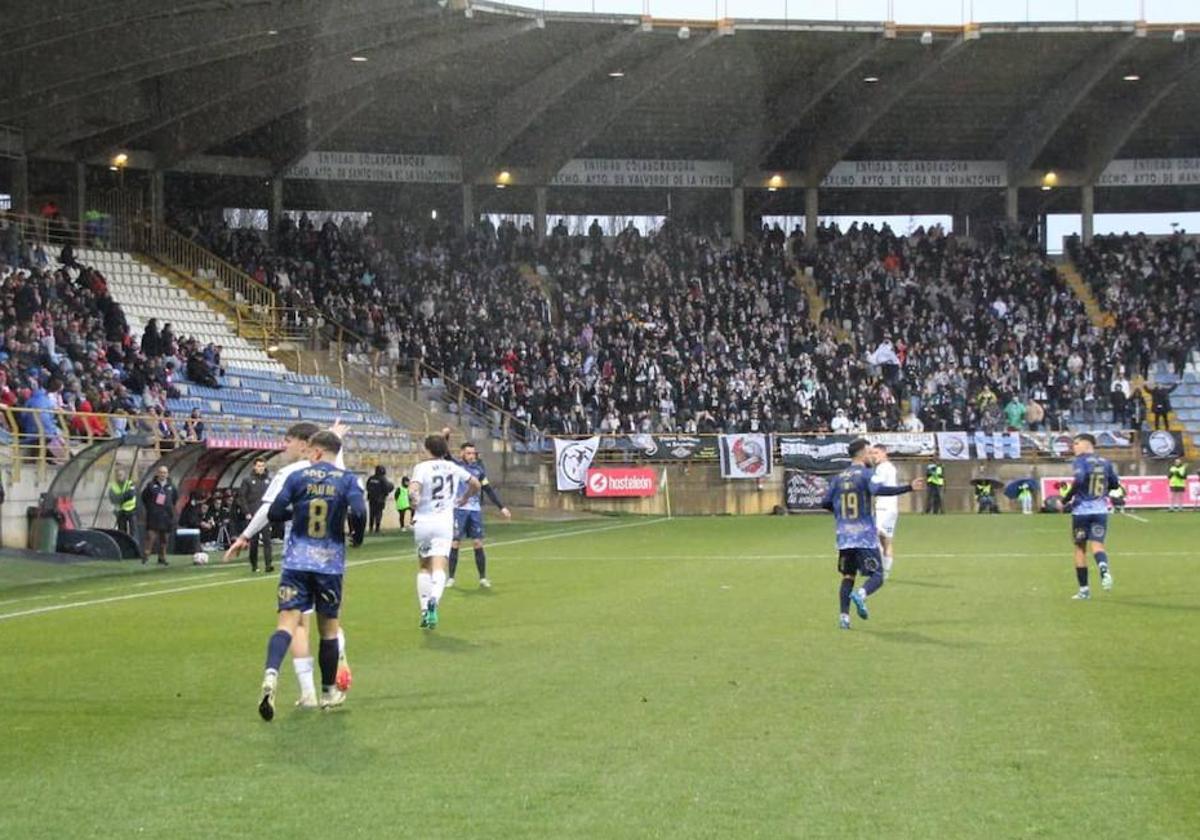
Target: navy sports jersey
x=474 y=501
x=849 y=497
x=320 y=497
x=1094 y=477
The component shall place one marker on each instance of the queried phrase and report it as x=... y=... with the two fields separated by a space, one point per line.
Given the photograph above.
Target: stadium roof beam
x=854 y=115
x=168 y=99
x=180 y=47
x=591 y=114
x=483 y=142
x=1127 y=115
x=789 y=109
x=183 y=135
x=1029 y=137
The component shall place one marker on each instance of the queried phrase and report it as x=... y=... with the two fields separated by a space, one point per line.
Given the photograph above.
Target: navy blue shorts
x=859 y=561
x=308 y=590
x=1089 y=526
x=468 y=524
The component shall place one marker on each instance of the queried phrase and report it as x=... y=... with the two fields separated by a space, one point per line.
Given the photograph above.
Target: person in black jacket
x=250 y=496
x=378 y=491
x=159 y=498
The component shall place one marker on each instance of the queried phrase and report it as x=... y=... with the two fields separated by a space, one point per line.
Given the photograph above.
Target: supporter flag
x=571 y=461
x=953 y=446
x=745 y=456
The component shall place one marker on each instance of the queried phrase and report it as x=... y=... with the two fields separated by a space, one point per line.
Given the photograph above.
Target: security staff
x=1177 y=482
x=403 y=505
x=985 y=496
x=122 y=493
x=378 y=489
x=935 y=477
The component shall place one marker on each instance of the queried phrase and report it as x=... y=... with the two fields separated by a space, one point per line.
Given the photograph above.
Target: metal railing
x=253 y=301
x=41 y=438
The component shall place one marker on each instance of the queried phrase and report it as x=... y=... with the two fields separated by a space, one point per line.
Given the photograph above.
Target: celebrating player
x=849 y=497
x=887 y=508
x=468 y=515
x=1087 y=499
x=319 y=500
x=433 y=491
x=296 y=457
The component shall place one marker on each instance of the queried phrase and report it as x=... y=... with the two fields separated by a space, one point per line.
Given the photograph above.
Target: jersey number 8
x=318 y=519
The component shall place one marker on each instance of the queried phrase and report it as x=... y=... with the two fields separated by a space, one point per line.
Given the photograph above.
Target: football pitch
x=626 y=678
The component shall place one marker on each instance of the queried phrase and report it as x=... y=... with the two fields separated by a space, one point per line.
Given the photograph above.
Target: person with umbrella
x=1022 y=490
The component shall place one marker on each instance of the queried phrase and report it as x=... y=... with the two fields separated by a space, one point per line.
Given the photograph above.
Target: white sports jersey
x=441 y=484
x=259 y=520
x=885 y=476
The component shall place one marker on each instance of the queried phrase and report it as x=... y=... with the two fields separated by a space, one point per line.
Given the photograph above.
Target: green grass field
x=626 y=678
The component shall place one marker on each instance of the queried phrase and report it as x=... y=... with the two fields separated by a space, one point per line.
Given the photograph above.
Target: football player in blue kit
x=319 y=500
x=849 y=497
x=468 y=516
x=1087 y=499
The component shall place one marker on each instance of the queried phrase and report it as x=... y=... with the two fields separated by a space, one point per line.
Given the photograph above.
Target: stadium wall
x=699 y=490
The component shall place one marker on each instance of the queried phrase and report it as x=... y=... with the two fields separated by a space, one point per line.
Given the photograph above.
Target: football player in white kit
x=433 y=491
x=887 y=508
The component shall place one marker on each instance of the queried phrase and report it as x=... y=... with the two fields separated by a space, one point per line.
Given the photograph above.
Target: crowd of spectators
x=66 y=346
x=681 y=331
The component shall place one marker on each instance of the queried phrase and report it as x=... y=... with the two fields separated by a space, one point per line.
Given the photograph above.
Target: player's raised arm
x=414 y=493
x=898 y=490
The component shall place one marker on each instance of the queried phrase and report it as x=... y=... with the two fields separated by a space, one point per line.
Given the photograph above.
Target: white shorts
x=433 y=539
x=885 y=522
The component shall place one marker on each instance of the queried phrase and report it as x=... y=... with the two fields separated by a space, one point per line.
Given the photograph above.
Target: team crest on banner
x=571 y=461
x=745 y=456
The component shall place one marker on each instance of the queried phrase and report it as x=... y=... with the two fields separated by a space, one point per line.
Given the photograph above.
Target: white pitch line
x=198 y=586
x=1135 y=517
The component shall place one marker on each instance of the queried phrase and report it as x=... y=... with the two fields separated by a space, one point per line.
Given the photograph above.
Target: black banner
x=662 y=447
x=1162 y=444
x=820 y=454
x=803 y=491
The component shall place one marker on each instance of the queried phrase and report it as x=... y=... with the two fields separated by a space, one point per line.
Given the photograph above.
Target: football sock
x=453 y=561
x=328 y=656
x=1081 y=574
x=277 y=648
x=873 y=583
x=844 y=594
x=887 y=562
x=304 y=675
x=481 y=562
x=424 y=584
x=341 y=640
x=1102 y=562
x=439 y=584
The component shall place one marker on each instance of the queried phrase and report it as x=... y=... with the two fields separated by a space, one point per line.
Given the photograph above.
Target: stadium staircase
x=1079 y=286
x=816 y=301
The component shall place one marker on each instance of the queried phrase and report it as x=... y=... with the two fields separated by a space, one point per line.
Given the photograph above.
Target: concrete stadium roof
x=509 y=87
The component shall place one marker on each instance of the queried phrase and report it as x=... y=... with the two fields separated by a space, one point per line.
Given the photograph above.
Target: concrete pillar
x=1011 y=209
x=1088 y=211
x=80 y=199
x=811 y=208
x=20 y=185
x=468 y=207
x=539 y=214
x=738 y=209
x=158 y=199
x=275 y=208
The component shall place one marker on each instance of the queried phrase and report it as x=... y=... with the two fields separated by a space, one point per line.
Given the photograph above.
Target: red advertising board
x=609 y=482
x=1141 y=491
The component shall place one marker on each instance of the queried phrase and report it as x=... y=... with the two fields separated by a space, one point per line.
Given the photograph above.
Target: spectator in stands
x=159 y=498
x=194 y=427
x=1160 y=401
